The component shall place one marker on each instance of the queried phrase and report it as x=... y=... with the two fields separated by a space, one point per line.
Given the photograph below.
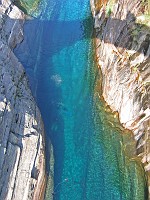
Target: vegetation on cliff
x=28 y=6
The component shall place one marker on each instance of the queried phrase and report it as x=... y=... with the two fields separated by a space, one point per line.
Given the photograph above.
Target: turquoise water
x=90 y=158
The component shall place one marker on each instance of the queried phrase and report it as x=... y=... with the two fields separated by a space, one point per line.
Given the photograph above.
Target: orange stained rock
x=100 y=3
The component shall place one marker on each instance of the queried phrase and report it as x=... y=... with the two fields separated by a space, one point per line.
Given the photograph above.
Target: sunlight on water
x=94 y=156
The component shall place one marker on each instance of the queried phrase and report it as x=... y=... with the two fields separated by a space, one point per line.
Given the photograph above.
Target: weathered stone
x=22 y=162
x=123 y=53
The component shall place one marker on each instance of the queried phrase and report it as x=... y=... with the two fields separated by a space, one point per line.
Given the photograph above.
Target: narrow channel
x=89 y=151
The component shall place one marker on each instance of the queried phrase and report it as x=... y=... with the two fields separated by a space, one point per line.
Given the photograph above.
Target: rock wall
x=123 y=56
x=22 y=162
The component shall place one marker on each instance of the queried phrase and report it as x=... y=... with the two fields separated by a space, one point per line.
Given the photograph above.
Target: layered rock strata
x=22 y=164
x=123 y=56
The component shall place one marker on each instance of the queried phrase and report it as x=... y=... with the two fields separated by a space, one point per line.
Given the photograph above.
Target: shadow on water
x=62 y=31
x=43 y=40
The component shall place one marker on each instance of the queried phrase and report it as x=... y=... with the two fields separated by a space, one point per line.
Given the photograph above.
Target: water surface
x=90 y=149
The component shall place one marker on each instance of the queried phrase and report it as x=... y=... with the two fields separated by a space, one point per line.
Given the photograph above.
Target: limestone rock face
x=22 y=164
x=123 y=55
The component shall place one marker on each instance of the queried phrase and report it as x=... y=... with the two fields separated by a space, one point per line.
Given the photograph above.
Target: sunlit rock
x=22 y=162
x=123 y=52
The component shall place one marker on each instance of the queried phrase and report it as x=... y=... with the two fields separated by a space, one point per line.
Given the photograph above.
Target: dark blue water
x=91 y=162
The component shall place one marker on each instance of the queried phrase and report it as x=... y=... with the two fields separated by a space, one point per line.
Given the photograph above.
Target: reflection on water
x=92 y=161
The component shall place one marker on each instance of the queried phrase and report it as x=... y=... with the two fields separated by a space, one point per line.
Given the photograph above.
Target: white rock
x=21 y=145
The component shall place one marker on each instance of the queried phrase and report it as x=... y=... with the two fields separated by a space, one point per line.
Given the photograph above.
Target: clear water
x=92 y=161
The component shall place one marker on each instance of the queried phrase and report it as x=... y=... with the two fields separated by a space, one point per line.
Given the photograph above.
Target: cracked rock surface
x=22 y=164
x=123 y=56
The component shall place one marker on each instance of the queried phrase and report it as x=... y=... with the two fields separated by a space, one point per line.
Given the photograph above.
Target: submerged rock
x=22 y=162
x=123 y=56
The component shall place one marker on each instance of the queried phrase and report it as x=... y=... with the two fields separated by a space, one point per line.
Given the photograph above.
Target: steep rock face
x=123 y=55
x=22 y=164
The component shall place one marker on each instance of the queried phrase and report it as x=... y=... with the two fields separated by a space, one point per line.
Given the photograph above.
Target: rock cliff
x=123 y=56
x=22 y=164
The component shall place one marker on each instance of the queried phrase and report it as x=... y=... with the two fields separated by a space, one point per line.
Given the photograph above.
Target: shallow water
x=92 y=161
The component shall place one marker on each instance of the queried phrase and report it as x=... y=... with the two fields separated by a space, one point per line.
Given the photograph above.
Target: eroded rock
x=22 y=162
x=123 y=55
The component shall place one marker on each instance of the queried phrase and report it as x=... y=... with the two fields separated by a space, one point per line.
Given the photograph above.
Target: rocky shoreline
x=22 y=149
x=123 y=56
